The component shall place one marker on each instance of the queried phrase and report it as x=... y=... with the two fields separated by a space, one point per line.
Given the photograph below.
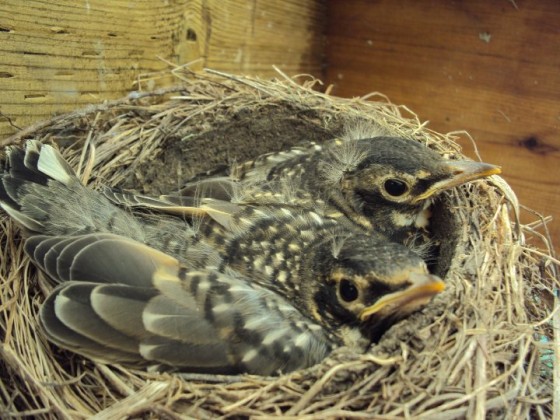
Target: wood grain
x=60 y=56
x=491 y=68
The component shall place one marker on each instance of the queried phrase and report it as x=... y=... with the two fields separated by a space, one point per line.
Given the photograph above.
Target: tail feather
x=53 y=165
x=39 y=189
x=22 y=164
x=27 y=175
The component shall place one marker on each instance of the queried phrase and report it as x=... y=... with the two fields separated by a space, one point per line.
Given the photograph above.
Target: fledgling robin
x=278 y=289
x=382 y=184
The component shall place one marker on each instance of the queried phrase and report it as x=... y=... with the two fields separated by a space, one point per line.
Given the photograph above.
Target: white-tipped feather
x=52 y=164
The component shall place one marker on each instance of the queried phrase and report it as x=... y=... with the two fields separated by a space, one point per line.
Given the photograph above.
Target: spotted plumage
x=381 y=184
x=260 y=289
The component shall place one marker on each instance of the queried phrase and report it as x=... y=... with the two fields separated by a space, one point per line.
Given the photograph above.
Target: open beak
x=460 y=172
x=424 y=288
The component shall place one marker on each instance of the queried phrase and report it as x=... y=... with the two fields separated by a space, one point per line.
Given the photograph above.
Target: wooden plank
x=60 y=56
x=490 y=68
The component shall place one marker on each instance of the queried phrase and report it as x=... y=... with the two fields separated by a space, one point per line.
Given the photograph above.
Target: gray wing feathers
x=72 y=306
x=176 y=205
x=178 y=321
x=122 y=307
x=65 y=336
x=24 y=220
x=259 y=168
x=98 y=258
x=126 y=302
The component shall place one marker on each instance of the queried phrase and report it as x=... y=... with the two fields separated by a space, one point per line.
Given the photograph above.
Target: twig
x=10 y=359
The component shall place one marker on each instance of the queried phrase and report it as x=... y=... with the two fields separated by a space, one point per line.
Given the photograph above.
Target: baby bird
x=253 y=289
x=381 y=184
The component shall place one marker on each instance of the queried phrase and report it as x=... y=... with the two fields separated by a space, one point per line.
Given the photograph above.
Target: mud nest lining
x=481 y=348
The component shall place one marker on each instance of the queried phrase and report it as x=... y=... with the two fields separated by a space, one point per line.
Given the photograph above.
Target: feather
x=192 y=357
x=123 y=307
x=53 y=165
x=72 y=307
x=24 y=220
x=65 y=337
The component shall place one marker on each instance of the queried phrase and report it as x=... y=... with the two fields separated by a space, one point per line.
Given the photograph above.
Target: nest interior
x=481 y=348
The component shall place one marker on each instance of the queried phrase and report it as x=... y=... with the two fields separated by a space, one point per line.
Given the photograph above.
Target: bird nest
x=481 y=348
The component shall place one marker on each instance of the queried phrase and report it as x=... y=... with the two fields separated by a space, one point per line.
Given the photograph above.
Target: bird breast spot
x=282 y=276
x=260 y=213
x=317 y=218
x=244 y=221
x=286 y=212
x=258 y=262
x=294 y=247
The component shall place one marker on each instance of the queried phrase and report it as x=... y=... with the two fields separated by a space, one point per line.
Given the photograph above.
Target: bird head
x=393 y=180
x=370 y=283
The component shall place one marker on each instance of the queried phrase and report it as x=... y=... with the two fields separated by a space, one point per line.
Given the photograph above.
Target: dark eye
x=348 y=291
x=395 y=187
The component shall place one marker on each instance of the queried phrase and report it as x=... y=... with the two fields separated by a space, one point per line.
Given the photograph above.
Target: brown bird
x=381 y=184
x=258 y=289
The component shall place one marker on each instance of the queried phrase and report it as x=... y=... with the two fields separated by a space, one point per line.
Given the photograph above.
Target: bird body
x=381 y=184
x=211 y=286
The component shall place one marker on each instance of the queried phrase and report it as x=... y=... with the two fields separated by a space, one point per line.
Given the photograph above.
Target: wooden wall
x=489 y=67
x=59 y=56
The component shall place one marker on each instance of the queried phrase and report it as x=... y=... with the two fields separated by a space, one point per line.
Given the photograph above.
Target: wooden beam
x=60 y=56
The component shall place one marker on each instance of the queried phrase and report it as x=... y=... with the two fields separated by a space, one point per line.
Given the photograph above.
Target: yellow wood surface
x=489 y=67
x=58 y=56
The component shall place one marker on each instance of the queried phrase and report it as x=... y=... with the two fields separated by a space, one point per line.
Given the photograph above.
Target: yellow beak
x=424 y=288
x=460 y=172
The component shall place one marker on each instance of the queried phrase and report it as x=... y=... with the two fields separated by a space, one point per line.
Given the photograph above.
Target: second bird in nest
x=381 y=184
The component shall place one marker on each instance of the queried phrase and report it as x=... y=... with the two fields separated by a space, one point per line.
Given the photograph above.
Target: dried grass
x=482 y=349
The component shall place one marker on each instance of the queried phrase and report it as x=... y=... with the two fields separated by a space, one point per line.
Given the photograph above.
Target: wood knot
x=534 y=145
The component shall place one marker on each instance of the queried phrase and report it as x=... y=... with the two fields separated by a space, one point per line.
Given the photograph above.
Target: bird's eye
x=348 y=291
x=395 y=187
